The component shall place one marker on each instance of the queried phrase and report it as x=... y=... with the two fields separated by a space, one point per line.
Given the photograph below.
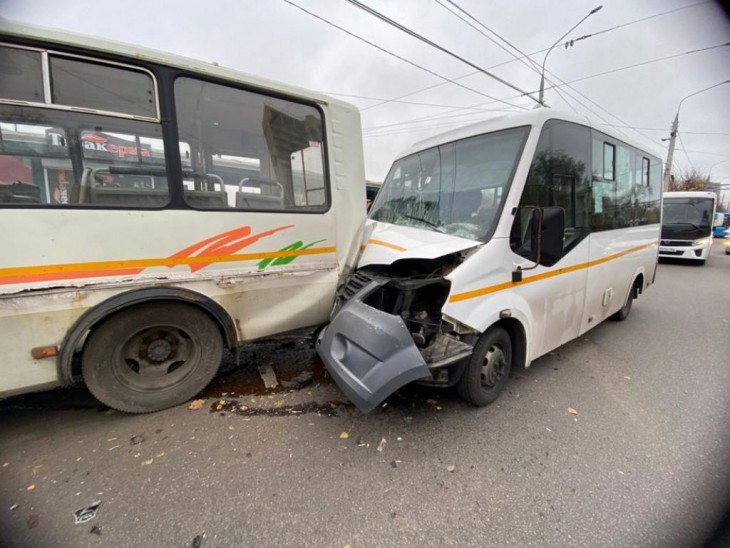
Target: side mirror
x=525 y=234
x=552 y=235
x=537 y=235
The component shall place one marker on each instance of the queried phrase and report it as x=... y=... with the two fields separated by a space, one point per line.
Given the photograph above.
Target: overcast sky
x=274 y=39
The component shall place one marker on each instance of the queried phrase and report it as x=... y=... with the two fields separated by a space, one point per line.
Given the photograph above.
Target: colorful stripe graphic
x=221 y=248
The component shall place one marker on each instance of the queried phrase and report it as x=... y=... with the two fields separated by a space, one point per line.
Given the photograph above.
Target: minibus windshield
x=455 y=188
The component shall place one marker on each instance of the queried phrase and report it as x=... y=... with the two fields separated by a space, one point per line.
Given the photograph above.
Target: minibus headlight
x=701 y=241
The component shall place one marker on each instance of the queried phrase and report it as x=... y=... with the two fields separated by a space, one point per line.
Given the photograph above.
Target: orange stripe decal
x=457 y=297
x=27 y=274
x=387 y=244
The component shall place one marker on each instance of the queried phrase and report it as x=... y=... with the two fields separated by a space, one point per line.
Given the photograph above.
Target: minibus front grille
x=677 y=243
x=356 y=282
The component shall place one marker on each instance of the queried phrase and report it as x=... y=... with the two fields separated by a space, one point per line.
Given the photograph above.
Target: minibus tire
x=483 y=382
x=179 y=347
x=625 y=310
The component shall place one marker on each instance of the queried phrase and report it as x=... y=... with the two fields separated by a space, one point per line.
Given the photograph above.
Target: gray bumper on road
x=369 y=353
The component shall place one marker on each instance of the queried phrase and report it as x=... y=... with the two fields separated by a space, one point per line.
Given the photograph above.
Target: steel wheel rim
x=156 y=358
x=493 y=368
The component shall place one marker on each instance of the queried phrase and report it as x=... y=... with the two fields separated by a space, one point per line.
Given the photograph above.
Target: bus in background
x=722 y=225
x=489 y=246
x=687 y=223
x=157 y=210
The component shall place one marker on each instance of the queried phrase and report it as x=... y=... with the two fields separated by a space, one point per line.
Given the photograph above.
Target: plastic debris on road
x=344 y=436
x=196 y=404
x=82 y=515
x=450 y=468
x=381 y=445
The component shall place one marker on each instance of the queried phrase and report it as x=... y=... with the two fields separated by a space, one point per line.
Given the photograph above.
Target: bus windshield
x=695 y=213
x=456 y=188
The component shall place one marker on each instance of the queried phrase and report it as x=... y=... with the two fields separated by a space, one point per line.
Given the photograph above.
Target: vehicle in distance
x=687 y=223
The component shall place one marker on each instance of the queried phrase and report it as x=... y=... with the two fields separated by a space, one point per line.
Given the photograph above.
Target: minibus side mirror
x=525 y=233
x=537 y=235
x=552 y=235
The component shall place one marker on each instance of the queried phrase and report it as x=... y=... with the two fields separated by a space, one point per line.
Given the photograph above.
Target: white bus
x=688 y=219
x=157 y=210
x=489 y=246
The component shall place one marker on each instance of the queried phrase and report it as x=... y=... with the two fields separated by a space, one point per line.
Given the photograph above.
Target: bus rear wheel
x=625 y=310
x=151 y=356
x=488 y=369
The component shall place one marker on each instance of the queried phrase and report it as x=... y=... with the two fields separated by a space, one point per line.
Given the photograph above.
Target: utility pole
x=675 y=132
x=670 y=155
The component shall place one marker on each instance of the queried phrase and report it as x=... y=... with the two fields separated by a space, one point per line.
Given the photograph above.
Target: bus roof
x=536 y=117
x=33 y=33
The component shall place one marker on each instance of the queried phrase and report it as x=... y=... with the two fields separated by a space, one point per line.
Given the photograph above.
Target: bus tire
x=625 y=310
x=152 y=356
x=488 y=368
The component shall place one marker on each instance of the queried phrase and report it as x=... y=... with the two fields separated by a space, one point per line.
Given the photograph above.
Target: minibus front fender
x=481 y=313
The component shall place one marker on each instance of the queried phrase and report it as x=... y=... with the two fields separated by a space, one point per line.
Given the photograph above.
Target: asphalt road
x=645 y=462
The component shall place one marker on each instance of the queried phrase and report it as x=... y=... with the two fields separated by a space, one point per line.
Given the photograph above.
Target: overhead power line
x=438 y=47
x=401 y=58
x=528 y=56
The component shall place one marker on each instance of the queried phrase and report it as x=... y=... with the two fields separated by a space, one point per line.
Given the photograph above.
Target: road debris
x=95 y=530
x=147 y=462
x=196 y=404
x=136 y=440
x=381 y=445
x=450 y=468
x=572 y=411
x=199 y=541
x=344 y=436
x=300 y=381
x=394 y=464
x=268 y=376
x=87 y=513
x=14 y=506
x=31 y=487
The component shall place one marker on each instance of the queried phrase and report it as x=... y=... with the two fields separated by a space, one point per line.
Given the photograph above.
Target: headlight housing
x=701 y=241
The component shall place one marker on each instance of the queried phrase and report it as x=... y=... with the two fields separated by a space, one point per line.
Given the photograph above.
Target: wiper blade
x=424 y=221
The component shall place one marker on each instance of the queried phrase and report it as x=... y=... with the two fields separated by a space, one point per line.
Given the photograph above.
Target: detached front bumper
x=369 y=353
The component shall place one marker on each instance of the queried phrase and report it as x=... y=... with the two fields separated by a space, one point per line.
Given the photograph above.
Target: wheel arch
x=96 y=315
x=518 y=336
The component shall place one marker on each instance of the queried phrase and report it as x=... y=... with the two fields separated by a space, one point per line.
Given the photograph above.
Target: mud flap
x=369 y=353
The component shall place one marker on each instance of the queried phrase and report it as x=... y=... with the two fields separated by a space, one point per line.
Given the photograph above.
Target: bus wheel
x=623 y=313
x=488 y=368
x=152 y=356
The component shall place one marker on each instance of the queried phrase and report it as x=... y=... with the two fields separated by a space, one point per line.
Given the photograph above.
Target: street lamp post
x=542 y=72
x=674 y=132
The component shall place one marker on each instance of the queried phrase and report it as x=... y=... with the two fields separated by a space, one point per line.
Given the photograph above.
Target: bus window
x=35 y=167
x=267 y=152
x=22 y=75
x=81 y=83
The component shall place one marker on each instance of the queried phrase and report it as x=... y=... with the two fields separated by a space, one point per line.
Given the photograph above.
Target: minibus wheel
x=151 y=356
x=625 y=310
x=488 y=369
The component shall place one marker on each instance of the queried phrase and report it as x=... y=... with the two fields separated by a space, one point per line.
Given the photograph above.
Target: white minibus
x=688 y=219
x=488 y=247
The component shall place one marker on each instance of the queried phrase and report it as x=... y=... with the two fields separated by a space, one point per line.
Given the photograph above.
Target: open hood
x=385 y=243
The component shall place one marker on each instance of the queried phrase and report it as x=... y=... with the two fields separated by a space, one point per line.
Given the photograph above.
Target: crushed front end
x=388 y=330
